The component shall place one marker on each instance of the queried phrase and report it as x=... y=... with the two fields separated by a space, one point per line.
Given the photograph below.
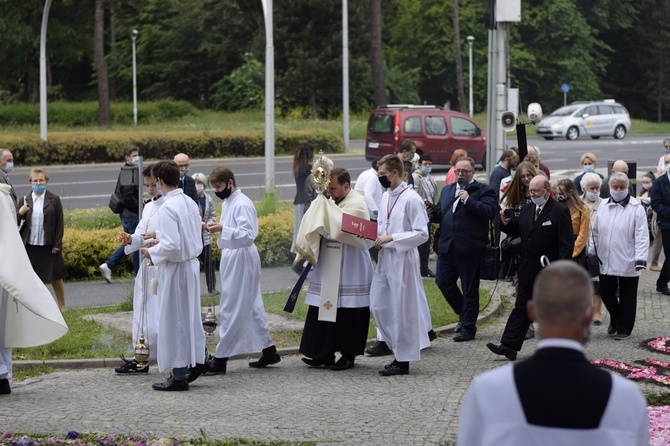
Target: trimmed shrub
x=275 y=233
x=101 y=147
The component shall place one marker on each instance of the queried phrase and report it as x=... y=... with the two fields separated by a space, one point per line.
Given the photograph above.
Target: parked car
x=433 y=129
x=594 y=119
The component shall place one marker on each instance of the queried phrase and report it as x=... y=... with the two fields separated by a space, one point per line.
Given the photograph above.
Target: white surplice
x=397 y=292
x=356 y=267
x=146 y=305
x=29 y=315
x=181 y=337
x=243 y=327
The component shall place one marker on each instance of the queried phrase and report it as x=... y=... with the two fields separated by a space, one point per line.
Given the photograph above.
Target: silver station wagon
x=594 y=119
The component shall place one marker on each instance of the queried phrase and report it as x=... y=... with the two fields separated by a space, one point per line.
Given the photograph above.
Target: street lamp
x=133 y=36
x=470 y=40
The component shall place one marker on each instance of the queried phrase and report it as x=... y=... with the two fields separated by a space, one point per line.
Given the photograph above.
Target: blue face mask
x=135 y=160
x=589 y=168
x=426 y=170
x=9 y=167
x=39 y=188
x=539 y=201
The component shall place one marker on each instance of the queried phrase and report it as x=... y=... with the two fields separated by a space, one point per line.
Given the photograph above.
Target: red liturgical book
x=359 y=226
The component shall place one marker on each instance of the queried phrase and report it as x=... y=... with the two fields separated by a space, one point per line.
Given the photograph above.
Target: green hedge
x=75 y=114
x=84 y=250
x=100 y=147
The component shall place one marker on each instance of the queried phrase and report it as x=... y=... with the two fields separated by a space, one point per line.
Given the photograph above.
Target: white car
x=594 y=119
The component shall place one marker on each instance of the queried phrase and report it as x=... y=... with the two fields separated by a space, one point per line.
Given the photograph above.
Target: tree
x=377 y=53
x=104 y=116
x=459 y=60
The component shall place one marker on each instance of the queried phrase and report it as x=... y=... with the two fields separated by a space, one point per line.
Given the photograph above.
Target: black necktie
x=537 y=213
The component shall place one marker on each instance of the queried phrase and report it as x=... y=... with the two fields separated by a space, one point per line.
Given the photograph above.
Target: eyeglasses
x=536 y=191
x=462 y=171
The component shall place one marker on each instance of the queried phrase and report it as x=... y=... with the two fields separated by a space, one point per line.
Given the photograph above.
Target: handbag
x=490 y=264
x=116 y=201
x=591 y=261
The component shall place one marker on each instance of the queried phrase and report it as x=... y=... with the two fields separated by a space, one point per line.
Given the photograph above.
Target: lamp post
x=43 y=71
x=470 y=40
x=133 y=36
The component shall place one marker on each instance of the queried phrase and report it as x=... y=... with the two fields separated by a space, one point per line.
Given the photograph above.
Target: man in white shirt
x=556 y=397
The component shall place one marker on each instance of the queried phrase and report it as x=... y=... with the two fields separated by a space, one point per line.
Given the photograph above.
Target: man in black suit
x=556 y=396
x=186 y=183
x=464 y=212
x=545 y=229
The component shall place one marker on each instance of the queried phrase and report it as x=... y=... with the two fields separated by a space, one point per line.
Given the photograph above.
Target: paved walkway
x=295 y=403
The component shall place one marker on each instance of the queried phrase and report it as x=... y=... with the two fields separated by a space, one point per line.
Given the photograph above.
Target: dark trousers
x=622 y=311
x=664 y=276
x=424 y=253
x=129 y=223
x=451 y=267
x=518 y=320
x=210 y=271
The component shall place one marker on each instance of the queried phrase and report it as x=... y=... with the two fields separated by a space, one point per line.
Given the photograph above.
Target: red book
x=359 y=226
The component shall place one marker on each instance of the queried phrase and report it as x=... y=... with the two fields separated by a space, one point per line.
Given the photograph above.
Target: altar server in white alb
x=29 y=316
x=339 y=290
x=181 y=337
x=243 y=327
x=556 y=397
x=397 y=290
x=146 y=304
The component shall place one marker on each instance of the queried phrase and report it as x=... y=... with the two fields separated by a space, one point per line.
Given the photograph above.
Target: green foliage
x=84 y=250
x=88 y=219
x=242 y=89
x=274 y=239
x=74 y=114
x=269 y=205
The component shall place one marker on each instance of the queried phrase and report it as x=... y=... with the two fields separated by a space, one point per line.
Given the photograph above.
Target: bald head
x=534 y=150
x=183 y=163
x=620 y=166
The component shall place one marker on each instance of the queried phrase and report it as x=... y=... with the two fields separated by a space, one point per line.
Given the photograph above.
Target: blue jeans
x=180 y=373
x=129 y=224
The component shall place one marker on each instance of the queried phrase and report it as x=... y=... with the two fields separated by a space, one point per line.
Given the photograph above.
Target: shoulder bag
x=116 y=201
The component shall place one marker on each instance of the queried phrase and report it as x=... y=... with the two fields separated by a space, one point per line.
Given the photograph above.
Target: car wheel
x=595 y=137
x=620 y=132
x=572 y=133
x=548 y=138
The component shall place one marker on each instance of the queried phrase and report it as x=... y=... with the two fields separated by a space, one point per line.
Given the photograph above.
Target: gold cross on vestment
x=328 y=305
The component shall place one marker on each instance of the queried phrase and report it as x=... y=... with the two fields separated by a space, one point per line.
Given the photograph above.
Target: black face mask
x=224 y=193
x=384 y=181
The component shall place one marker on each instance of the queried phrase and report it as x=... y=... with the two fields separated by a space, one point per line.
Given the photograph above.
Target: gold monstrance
x=320 y=173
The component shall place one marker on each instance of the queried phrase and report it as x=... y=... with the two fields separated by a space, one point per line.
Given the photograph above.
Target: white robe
x=146 y=305
x=356 y=267
x=181 y=337
x=243 y=325
x=29 y=315
x=397 y=292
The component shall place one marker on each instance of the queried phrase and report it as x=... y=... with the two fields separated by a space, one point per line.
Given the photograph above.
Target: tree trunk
x=377 y=53
x=459 y=61
x=112 y=46
x=104 y=118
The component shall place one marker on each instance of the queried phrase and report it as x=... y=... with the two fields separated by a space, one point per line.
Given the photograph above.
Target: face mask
x=667 y=166
x=618 y=195
x=426 y=170
x=135 y=160
x=160 y=191
x=39 y=188
x=9 y=167
x=539 y=201
x=589 y=168
x=224 y=193
x=646 y=186
x=667 y=149
x=385 y=182
x=199 y=187
x=592 y=196
x=512 y=173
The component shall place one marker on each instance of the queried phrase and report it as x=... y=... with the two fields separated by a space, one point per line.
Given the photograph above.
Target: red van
x=434 y=130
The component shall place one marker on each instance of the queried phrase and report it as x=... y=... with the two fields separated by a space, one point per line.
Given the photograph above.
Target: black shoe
x=195 y=372
x=131 y=367
x=464 y=337
x=457 y=328
x=428 y=273
x=216 y=366
x=343 y=363
x=611 y=330
x=270 y=356
x=530 y=334
x=4 y=387
x=502 y=350
x=663 y=290
x=319 y=362
x=395 y=368
x=432 y=335
x=620 y=336
x=379 y=349
x=171 y=385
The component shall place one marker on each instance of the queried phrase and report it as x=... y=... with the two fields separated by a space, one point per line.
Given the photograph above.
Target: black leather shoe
x=319 y=362
x=663 y=290
x=432 y=335
x=270 y=356
x=394 y=369
x=343 y=363
x=171 y=385
x=4 y=387
x=195 y=372
x=216 y=366
x=379 y=349
x=428 y=273
x=502 y=350
x=457 y=328
x=611 y=330
x=464 y=337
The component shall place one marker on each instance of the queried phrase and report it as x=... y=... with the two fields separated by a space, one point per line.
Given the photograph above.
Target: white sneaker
x=106 y=272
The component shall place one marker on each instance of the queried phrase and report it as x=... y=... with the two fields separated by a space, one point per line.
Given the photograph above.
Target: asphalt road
x=88 y=186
